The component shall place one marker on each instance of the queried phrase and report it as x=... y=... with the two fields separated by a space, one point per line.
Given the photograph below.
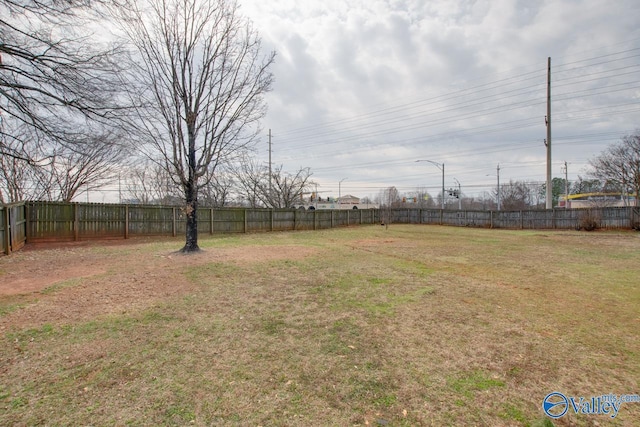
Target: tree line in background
x=245 y=184
x=165 y=101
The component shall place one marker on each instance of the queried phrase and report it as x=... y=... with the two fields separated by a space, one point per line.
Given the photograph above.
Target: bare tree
x=53 y=75
x=280 y=190
x=288 y=188
x=389 y=199
x=218 y=188
x=199 y=78
x=517 y=195
x=252 y=182
x=149 y=183
x=20 y=177
x=87 y=166
x=619 y=164
x=44 y=169
x=424 y=199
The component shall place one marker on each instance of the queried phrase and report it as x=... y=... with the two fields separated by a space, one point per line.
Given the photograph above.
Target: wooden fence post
x=521 y=221
x=126 y=221
x=174 y=231
x=211 y=221
x=27 y=224
x=7 y=234
x=76 y=222
x=245 y=220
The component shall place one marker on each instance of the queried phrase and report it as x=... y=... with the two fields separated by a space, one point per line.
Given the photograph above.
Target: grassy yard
x=406 y=326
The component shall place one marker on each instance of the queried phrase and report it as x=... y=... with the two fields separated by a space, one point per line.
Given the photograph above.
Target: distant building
x=348 y=200
x=344 y=202
x=596 y=200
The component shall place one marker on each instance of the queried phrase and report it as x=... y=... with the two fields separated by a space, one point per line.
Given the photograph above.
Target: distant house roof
x=348 y=199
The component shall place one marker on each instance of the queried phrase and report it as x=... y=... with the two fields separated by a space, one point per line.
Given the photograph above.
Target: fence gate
x=13 y=227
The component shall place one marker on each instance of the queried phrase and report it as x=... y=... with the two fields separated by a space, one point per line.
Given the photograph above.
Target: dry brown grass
x=363 y=326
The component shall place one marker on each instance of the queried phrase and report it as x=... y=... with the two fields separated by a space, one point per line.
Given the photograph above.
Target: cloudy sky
x=364 y=88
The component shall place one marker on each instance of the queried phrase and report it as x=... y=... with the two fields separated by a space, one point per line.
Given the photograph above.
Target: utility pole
x=498 y=172
x=442 y=186
x=548 y=140
x=566 y=185
x=270 y=185
x=498 y=188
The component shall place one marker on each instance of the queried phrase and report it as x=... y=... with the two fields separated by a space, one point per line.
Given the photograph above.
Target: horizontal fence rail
x=37 y=221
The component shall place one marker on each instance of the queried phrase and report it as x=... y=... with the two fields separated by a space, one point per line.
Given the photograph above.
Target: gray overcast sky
x=364 y=88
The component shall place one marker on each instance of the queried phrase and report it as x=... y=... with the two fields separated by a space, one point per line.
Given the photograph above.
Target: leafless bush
x=589 y=220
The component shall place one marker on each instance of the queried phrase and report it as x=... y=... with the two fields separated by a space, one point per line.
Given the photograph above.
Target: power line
x=448 y=119
x=446 y=97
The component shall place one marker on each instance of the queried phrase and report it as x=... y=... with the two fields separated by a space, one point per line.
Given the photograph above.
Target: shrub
x=588 y=221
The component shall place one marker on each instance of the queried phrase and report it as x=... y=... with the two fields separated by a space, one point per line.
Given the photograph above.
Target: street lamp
x=340 y=190
x=441 y=167
x=459 y=194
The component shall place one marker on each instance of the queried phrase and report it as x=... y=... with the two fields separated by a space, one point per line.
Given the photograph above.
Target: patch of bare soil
x=73 y=283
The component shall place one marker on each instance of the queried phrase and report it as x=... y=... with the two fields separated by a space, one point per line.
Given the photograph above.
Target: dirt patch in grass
x=67 y=284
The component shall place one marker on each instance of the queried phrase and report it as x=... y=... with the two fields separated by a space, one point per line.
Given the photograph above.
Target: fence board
x=5 y=242
x=17 y=226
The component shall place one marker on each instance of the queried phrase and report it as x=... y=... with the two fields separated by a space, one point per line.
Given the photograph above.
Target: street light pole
x=340 y=190
x=441 y=167
x=459 y=194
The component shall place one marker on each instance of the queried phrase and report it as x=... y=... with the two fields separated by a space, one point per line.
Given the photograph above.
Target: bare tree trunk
x=191 y=191
x=191 y=237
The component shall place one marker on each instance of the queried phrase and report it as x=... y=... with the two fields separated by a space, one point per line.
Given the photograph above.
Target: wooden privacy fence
x=53 y=221
x=79 y=221
x=607 y=218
